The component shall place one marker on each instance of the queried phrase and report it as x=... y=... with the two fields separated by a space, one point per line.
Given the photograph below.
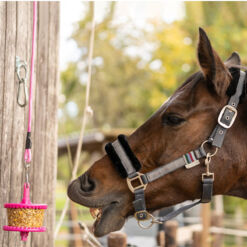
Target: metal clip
x=207 y=163
x=21 y=65
x=150 y=223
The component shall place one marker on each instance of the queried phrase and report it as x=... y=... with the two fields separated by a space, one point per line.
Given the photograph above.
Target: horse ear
x=214 y=70
x=234 y=59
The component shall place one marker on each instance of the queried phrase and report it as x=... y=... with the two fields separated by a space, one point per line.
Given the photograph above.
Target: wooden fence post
x=15 y=40
x=205 y=212
x=196 y=239
x=75 y=228
x=117 y=239
x=217 y=220
x=171 y=227
x=160 y=238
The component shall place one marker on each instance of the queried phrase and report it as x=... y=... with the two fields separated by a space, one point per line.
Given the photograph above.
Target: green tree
x=176 y=43
x=118 y=92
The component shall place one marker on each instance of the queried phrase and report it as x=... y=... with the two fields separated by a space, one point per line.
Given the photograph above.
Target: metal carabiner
x=21 y=65
x=22 y=92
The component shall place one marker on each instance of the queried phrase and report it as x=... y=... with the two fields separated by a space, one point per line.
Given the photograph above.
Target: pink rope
x=27 y=155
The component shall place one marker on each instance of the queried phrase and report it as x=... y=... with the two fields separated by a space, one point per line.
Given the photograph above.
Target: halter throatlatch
x=128 y=164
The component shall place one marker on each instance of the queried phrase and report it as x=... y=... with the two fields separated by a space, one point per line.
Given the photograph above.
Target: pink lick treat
x=25 y=217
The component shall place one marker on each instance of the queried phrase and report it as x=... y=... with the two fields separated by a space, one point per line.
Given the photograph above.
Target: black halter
x=128 y=165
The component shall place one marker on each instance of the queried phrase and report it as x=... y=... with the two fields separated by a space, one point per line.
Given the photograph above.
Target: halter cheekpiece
x=128 y=165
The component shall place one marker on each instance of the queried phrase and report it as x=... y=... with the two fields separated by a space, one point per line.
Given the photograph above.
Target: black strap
x=28 y=141
x=158 y=172
x=174 y=165
x=207 y=189
x=207 y=192
x=177 y=212
x=140 y=205
x=228 y=115
x=139 y=201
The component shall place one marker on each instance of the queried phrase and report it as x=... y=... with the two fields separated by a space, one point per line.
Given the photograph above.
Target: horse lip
x=112 y=218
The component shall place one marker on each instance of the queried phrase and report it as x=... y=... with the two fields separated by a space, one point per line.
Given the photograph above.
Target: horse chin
x=109 y=221
x=110 y=217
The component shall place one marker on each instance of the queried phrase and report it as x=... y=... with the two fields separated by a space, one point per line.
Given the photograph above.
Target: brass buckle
x=209 y=174
x=230 y=108
x=139 y=180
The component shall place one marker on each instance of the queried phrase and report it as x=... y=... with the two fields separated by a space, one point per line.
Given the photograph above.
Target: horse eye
x=172 y=120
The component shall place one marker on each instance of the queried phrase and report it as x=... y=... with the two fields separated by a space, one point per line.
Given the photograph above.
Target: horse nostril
x=87 y=184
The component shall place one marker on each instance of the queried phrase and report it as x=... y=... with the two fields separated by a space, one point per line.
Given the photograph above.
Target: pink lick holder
x=25 y=204
x=26 y=217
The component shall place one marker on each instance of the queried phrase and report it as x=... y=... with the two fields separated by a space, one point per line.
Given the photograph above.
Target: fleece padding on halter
x=124 y=143
x=116 y=160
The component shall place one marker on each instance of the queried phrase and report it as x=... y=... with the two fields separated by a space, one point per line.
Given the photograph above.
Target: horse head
x=181 y=124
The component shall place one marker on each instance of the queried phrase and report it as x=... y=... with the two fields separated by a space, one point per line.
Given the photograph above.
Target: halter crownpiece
x=128 y=164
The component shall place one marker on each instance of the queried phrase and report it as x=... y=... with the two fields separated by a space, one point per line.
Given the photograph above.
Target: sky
x=139 y=12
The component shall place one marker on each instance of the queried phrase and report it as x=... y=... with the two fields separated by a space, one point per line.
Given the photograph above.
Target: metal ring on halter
x=216 y=149
x=153 y=220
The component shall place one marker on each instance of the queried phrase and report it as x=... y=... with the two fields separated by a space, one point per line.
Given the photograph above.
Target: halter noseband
x=128 y=165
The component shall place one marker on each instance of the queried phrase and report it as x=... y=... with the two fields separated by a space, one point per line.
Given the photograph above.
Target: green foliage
x=126 y=89
x=178 y=61
x=233 y=203
x=225 y=23
x=118 y=92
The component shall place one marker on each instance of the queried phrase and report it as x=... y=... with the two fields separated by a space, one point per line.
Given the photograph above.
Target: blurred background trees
x=136 y=69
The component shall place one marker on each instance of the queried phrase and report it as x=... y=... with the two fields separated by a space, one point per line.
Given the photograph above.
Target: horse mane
x=194 y=79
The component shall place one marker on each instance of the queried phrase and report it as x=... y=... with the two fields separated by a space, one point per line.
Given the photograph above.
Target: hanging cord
x=27 y=154
x=87 y=112
x=88 y=236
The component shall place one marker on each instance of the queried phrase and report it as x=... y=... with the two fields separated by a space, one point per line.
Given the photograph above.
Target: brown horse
x=181 y=124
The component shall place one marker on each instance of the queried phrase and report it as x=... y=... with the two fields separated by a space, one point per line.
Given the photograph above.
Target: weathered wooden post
x=160 y=238
x=239 y=220
x=196 y=239
x=15 y=40
x=171 y=227
x=206 y=218
x=217 y=220
x=75 y=228
x=117 y=239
